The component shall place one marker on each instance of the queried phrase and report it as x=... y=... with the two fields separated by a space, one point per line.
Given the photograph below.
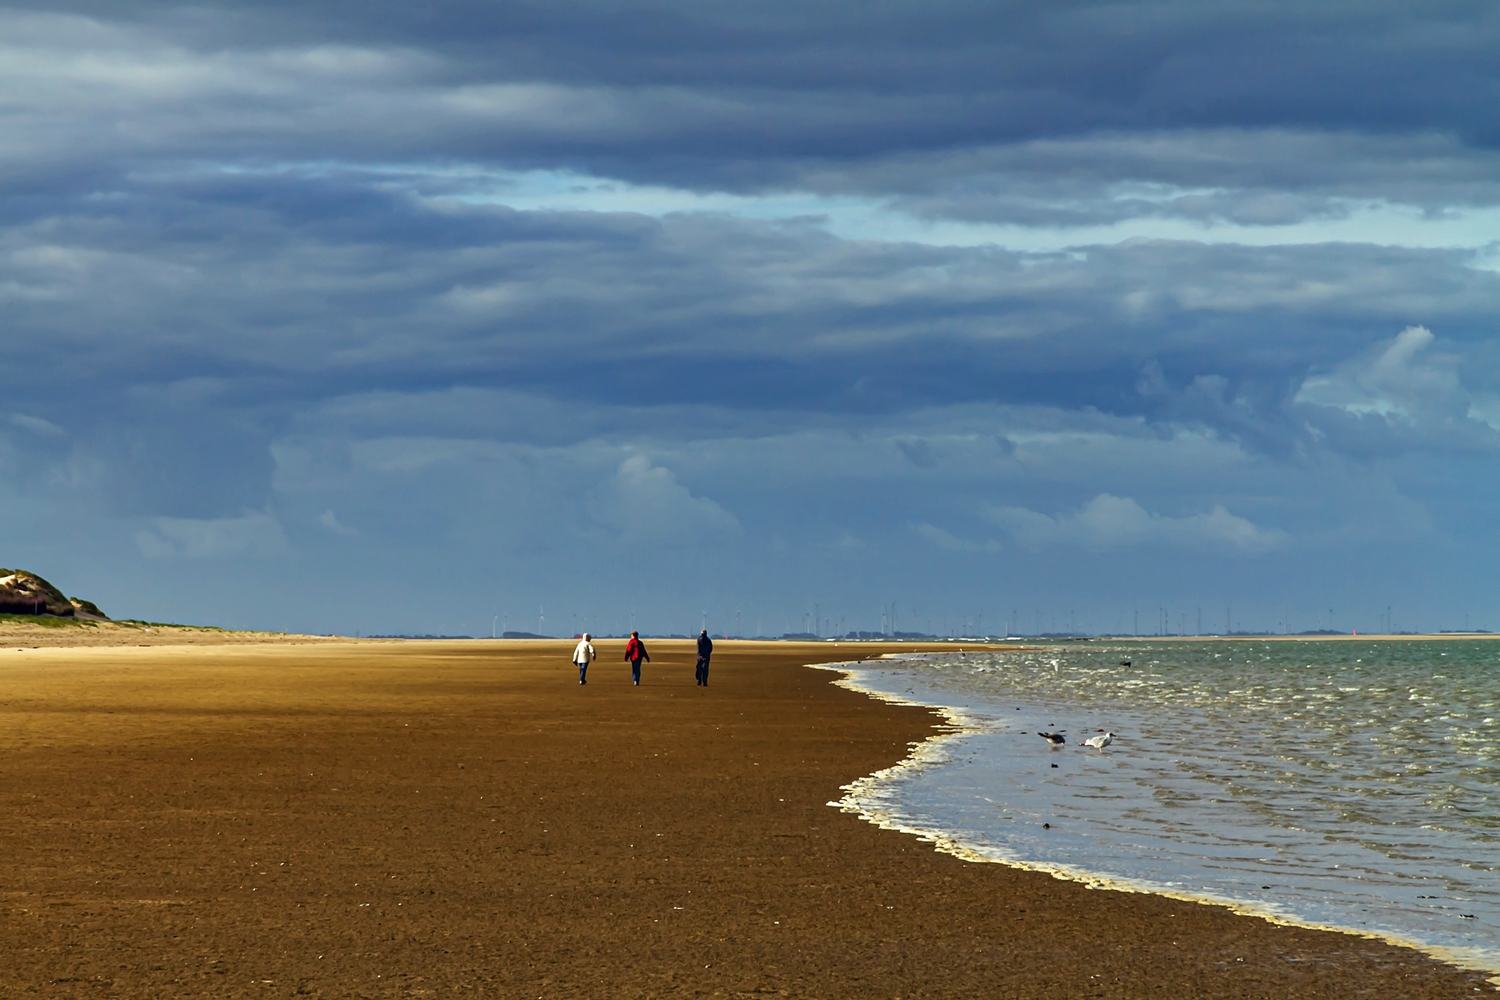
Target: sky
x=452 y=317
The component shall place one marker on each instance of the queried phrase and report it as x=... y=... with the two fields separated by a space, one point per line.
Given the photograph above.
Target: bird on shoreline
x=1056 y=739
x=1098 y=742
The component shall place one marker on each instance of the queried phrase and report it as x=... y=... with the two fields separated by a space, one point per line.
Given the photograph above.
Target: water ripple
x=1352 y=784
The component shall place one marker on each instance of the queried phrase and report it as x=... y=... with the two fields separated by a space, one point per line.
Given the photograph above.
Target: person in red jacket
x=635 y=652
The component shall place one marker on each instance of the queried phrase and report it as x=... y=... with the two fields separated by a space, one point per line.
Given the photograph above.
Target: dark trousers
x=583 y=673
x=635 y=671
x=702 y=672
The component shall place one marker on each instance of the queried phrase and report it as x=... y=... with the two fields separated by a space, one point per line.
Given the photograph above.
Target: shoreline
x=47 y=631
x=869 y=799
x=391 y=818
x=1341 y=637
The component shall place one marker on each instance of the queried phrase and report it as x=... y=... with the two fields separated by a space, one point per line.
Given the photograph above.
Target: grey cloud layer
x=257 y=296
x=205 y=320
x=1076 y=114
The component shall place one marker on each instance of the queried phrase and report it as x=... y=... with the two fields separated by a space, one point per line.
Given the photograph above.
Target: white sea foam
x=1244 y=776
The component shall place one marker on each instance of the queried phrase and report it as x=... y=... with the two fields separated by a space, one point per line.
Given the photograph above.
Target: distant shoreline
x=52 y=631
x=1340 y=637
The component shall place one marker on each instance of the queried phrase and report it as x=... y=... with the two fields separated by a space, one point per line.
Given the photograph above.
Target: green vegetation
x=48 y=621
x=195 y=628
x=56 y=621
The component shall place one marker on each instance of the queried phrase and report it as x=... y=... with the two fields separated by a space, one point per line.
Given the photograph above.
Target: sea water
x=1352 y=784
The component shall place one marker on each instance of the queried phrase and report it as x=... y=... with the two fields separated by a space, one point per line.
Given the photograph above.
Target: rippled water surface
x=1345 y=783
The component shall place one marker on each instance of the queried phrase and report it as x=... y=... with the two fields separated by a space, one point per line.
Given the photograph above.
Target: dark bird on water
x=1124 y=663
x=1056 y=739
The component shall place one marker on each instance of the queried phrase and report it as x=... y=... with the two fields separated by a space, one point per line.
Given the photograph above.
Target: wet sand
x=382 y=819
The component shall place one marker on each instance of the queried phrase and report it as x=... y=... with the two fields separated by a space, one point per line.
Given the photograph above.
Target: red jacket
x=636 y=650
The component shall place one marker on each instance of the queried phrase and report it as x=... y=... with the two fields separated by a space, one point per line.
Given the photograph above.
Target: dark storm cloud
x=1263 y=114
x=1128 y=64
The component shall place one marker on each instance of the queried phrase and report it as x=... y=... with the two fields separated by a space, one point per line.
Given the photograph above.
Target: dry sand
x=42 y=633
x=349 y=819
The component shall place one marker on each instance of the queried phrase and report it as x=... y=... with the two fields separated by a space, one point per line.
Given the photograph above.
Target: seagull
x=1056 y=739
x=1098 y=742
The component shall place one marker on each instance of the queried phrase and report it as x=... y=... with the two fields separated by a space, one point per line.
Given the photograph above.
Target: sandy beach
x=19 y=634
x=337 y=818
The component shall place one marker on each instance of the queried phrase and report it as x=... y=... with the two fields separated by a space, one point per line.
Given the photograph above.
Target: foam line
x=873 y=799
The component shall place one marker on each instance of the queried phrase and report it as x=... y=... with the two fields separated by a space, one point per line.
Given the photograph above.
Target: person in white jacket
x=583 y=656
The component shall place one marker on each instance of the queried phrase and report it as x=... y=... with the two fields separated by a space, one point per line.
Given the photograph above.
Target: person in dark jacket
x=635 y=652
x=705 y=650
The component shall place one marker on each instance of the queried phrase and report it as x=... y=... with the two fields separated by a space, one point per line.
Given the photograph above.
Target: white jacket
x=584 y=653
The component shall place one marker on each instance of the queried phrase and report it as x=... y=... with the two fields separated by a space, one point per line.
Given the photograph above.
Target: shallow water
x=1350 y=784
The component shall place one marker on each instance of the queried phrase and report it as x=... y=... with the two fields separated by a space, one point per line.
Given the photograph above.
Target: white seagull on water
x=1098 y=742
